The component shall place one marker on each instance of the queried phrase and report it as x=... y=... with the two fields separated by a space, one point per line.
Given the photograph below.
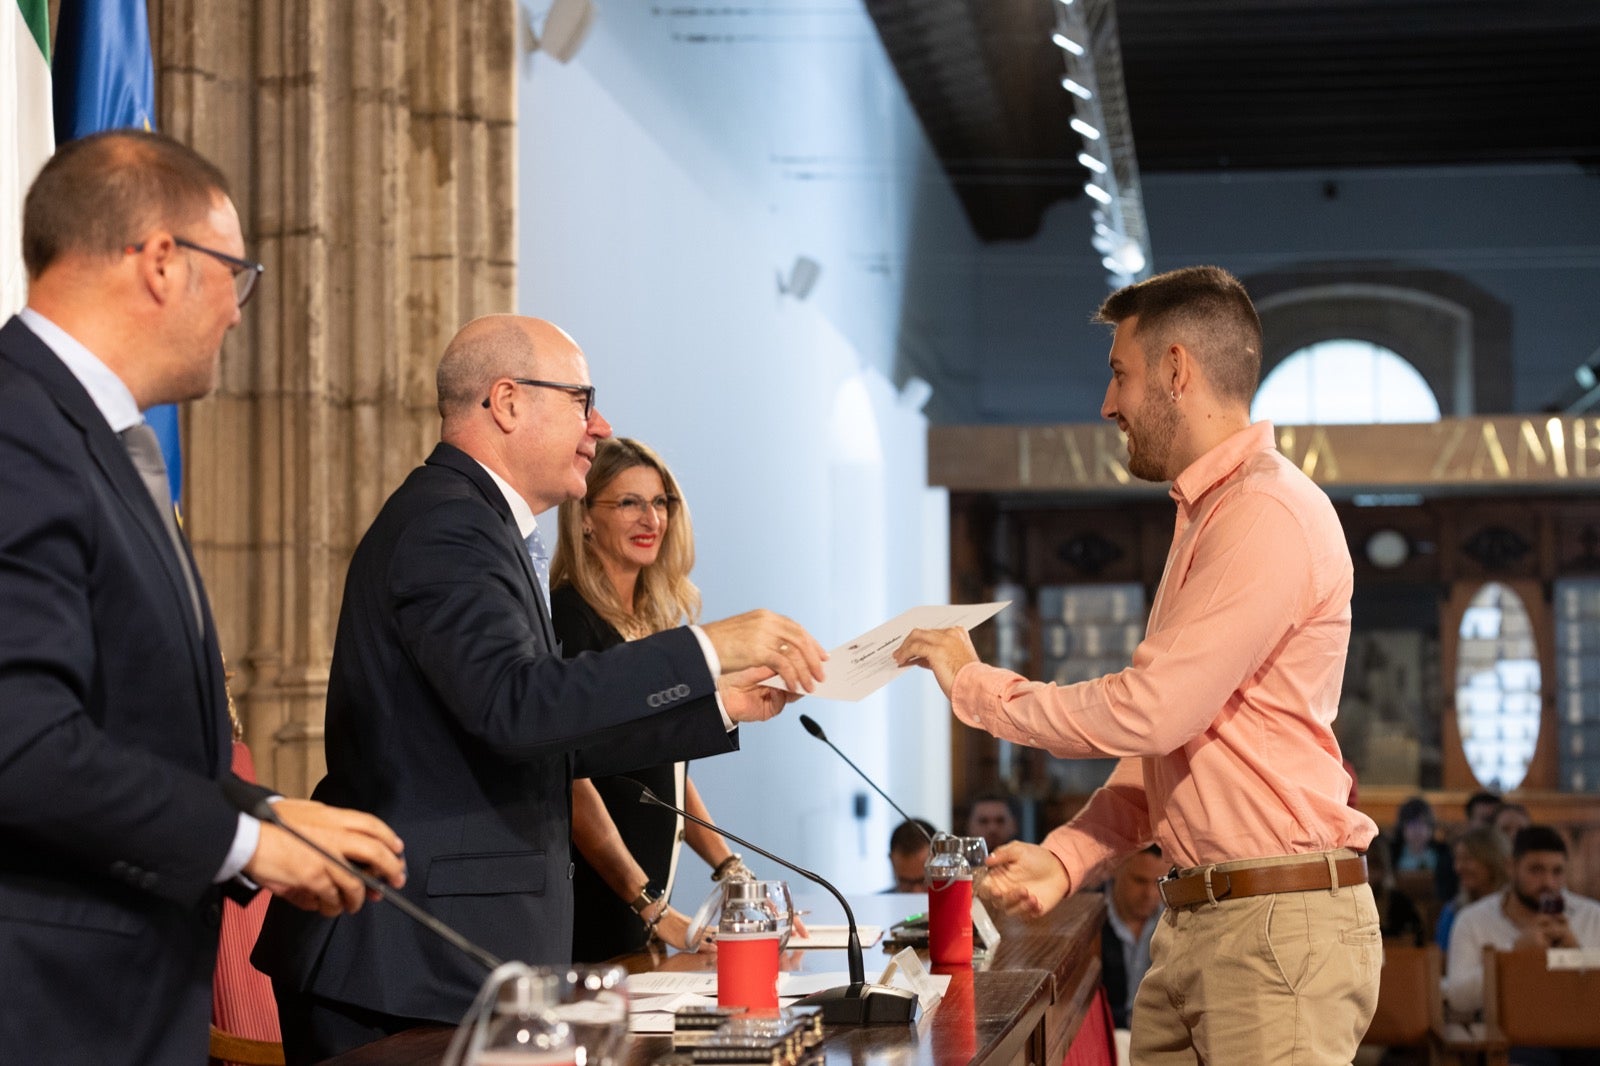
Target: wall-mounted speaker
x=802 y=277
x=565 y=26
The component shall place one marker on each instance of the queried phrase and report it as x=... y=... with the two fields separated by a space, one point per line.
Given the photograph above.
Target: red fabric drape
x=241 y=995
x=1094 y=1046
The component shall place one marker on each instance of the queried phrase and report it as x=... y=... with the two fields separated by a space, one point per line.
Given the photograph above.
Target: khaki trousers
x=1288 y=979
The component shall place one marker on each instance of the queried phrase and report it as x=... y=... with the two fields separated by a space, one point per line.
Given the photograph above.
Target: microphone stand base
x=864 y=1004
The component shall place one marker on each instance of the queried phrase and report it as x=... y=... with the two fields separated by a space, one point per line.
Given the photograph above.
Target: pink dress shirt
x=1224 y=720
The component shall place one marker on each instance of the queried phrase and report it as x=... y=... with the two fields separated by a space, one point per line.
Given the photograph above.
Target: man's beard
x=1150 y=444
x=1530 y=902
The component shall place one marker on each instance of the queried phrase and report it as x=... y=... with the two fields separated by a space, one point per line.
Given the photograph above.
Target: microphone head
x=812 y=727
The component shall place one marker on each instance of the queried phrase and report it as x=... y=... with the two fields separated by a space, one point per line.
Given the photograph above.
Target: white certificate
x=862 y=666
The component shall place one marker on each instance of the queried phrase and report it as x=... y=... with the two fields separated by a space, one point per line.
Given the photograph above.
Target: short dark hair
x=996 y=797
x=1537 y=838
x=1206 y=309
x=101 y=193
x=1414 y=809
x=1480 y=798
x=908 y=838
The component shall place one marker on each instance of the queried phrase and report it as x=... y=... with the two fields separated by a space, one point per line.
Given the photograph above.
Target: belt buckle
x=1161 y=886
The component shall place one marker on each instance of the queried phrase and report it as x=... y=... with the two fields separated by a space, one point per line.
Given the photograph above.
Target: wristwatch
x=648 y=897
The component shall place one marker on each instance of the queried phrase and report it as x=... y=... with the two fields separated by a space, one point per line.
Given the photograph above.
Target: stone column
x=371 y=146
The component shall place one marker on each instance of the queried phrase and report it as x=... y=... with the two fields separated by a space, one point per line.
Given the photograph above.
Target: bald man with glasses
x=452 y=714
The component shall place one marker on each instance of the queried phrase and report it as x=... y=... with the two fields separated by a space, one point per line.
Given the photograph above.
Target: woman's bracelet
x=650 y=926
x=732 y=868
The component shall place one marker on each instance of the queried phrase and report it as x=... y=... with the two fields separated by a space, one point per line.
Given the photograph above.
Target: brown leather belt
x=1192 y=889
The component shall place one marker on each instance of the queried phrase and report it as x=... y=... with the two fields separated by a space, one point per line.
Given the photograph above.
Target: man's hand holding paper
x=867 y=663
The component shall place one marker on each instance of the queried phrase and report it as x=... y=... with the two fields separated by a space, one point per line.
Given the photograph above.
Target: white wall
x=667 y=176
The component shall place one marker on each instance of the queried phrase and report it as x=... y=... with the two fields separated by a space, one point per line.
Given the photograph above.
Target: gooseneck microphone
x=251 y=802
x=816 y=730
x=857 y=1003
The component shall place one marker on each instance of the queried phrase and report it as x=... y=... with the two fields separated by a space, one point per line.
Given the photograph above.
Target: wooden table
x=1023 y=1006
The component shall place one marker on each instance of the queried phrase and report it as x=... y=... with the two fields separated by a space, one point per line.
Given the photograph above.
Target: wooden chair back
x=1527 y=1004
x=1409 y=1003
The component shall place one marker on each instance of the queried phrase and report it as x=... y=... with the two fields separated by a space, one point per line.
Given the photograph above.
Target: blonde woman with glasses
x=621 y=572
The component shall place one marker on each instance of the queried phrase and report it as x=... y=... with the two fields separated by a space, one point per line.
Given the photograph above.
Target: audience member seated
x=1133 y=906
x=1533 y=911
x=1482 y=860
x=908 y=855
x=1481 y=807
x=1414 y=848
x=1398 y=917
x=1511 y=819
x=993 y=816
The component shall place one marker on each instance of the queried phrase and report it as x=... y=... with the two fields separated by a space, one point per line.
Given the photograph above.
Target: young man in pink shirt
x=1269 y=948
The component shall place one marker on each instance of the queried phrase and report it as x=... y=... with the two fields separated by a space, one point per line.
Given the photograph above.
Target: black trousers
x=315 y=1029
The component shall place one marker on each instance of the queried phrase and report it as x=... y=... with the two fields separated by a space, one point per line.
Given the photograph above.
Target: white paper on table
x=660 y=983
x=794 y=985
x=649 y=1013
x=1572 y=959
x=905 y=970
x=858 y=668
x=836 y=936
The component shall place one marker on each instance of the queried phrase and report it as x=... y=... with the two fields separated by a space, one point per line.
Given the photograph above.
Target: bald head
x=514 y=394
x=492 y=347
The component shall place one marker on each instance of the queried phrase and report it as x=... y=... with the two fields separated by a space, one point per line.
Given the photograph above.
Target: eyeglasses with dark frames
x=586 y=391
x=245 y=271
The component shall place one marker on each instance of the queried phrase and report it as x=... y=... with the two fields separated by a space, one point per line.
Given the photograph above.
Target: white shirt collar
x=109 y=393
x=520 y=510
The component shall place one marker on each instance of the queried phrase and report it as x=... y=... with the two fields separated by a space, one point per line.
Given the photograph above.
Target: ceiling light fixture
x=1087 y=33
x=1067 y=43
x=1084 y=128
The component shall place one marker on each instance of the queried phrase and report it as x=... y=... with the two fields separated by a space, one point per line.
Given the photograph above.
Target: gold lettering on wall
x=1320 y=450
x=1558 y=446
x=1489 y=455
x=1108 y=453
x=1079 y=469
x=1532 y=450
x=1455 y=433
x=1542 y=450
x=1586 y=447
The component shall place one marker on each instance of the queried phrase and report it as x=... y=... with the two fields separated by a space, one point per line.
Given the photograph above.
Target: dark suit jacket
x=452 y=716
x=604 y=926
x=113 y=732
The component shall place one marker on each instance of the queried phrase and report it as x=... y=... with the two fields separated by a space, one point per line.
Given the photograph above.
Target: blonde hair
x=664 y=597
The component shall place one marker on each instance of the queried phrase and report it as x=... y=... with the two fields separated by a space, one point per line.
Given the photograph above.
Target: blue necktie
x=541 y=564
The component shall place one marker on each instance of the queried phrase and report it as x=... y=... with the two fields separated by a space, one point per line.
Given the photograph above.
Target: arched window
x=1340 y=381
x=1498 y=687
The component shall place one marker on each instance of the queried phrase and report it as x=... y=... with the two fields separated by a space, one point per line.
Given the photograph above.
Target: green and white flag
x=27 y=131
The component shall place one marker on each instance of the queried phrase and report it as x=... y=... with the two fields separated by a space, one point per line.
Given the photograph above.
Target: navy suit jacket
x=113 y=734
x=452 y=716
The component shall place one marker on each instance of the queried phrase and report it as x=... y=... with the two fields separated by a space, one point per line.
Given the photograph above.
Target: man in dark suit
x=452 y=715
x=1133 y=906
x=115 y=835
